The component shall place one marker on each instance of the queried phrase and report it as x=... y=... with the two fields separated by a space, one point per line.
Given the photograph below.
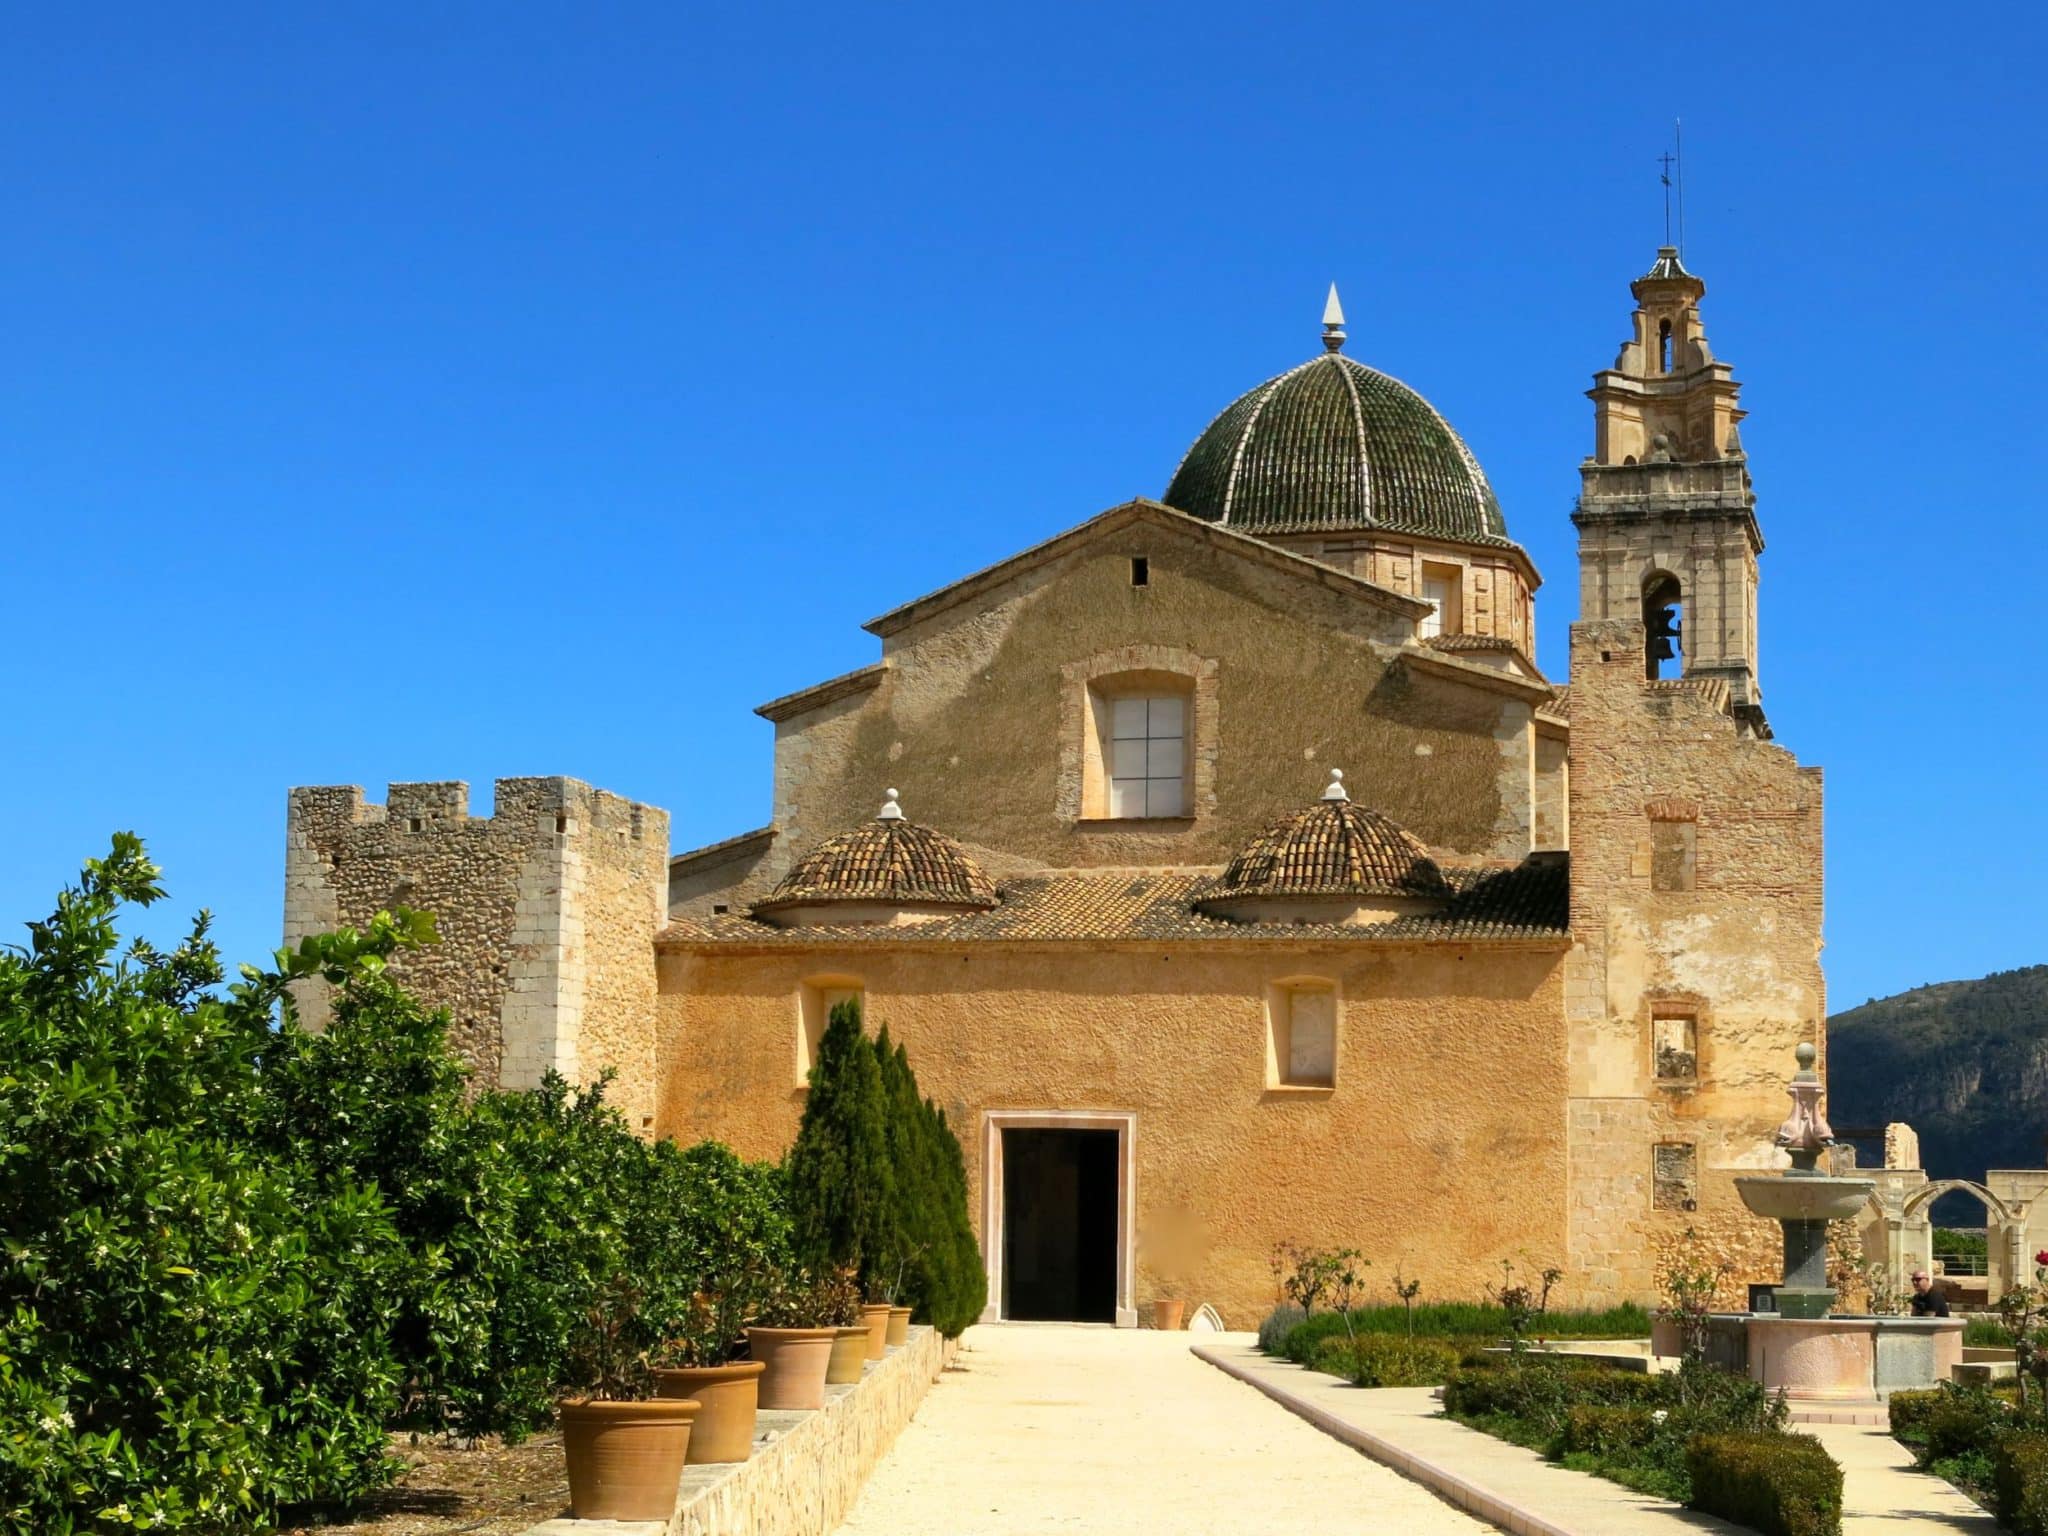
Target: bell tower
x=1667 y=525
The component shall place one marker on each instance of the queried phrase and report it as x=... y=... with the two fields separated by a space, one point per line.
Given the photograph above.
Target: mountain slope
x=1965 y=1063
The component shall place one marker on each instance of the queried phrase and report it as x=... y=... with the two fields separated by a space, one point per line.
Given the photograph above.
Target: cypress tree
x=967 y=1280
x=841 y=1186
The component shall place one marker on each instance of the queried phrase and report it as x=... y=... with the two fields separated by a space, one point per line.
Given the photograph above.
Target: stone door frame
x=1125 y=1123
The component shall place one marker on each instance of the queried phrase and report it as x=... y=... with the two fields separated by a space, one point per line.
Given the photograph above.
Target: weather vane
x=1673 y=177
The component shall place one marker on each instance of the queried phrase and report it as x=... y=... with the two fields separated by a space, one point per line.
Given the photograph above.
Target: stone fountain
x=1818 y=1359
x=1803 y=1200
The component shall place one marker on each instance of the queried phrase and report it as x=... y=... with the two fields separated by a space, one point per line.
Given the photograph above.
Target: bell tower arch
x=1667 y=525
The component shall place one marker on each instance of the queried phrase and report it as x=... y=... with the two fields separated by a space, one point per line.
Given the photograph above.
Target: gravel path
x=1049 y=1428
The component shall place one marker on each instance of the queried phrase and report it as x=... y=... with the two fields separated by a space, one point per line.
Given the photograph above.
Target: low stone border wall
x=807 y=1468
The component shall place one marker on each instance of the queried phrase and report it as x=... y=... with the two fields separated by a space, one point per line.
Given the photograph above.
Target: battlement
x=546 y=807
x=546 y=911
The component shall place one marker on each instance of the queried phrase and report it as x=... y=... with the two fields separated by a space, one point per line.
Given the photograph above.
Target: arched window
x=1664 y=346
x=1663 y=618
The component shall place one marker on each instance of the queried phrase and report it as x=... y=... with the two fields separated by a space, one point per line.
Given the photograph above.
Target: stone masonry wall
x=546 y=912
x=977 y=719
x=1737 y=953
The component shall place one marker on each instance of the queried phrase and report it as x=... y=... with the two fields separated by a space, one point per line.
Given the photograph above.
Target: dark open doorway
x=1059 y=1225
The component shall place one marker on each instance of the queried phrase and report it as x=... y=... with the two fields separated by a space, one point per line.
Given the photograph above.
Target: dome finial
x=1336 y=789
x=1333 y=322
x=890 y=810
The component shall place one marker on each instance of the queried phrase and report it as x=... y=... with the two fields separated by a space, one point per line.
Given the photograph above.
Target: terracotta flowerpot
x=876 y=1315
x=724 y=1430
x=625 y=1459
x=1166 y=1315
x=795 y=1361
x=899 y=1325
x=849 y=1353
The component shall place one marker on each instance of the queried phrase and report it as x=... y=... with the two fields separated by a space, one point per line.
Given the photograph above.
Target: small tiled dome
x=1332 y=850
x=890 y=862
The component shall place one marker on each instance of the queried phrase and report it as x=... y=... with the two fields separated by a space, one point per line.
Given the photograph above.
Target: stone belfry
x=1666 y=515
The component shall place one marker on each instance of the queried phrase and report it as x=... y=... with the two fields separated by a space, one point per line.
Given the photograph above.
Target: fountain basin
x=1818 y=1198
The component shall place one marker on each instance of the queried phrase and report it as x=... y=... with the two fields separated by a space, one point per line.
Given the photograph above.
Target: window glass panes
x=1148 y=757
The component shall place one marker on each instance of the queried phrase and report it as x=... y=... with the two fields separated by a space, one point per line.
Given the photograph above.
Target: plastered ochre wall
x=1440 y=1150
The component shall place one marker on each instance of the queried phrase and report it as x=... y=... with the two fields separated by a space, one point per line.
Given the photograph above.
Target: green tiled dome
x=1333 y=445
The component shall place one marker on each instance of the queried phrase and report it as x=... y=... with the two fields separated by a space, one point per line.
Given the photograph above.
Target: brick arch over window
x=1085 y=689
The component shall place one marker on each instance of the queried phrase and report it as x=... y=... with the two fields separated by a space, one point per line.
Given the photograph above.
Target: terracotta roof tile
x=1524 y=903
x=888 y=860
x=1333 y=848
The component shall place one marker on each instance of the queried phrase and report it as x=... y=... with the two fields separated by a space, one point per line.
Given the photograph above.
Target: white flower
x=1658 y=1417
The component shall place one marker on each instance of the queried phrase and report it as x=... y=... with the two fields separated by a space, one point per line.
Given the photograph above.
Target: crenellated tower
x=1666 y=516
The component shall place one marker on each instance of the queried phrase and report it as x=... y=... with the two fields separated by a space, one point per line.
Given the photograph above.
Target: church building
x=1229 y=869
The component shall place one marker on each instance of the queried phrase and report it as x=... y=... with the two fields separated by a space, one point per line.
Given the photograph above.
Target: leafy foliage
x=193 y=1334
x=237 y=1252
x=2019 y=1481
x=1389 y=1359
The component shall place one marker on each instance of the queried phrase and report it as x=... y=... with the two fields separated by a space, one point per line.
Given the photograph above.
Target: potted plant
x=700 y=1363
x=899 y=1325
x=838 y=1297
x=874 y=1316
x=1166 y=1313
x=625 y=1449
x=793 y=1346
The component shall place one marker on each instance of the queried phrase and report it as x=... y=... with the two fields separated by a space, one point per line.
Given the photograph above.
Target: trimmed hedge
x=1461 y=1320
x=1607 y=1429
x=2019 y=1482
x=1375 y=1360
x=1780 y=1485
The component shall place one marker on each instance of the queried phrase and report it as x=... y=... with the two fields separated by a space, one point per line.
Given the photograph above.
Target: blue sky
x=428 y=391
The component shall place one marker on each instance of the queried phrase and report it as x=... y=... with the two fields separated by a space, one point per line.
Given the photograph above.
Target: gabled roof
x=725 y=848
x=845 y=685
x=1130 y=514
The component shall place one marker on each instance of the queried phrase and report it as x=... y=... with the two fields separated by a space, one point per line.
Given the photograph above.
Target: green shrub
x=1777 y=1484
x=1909 y=1410
x=2019 y=1482
x=1376 y=1360
x=1986 y=1333
x=1607 y=1430
x=1279 y=1322
x=1960 y=1424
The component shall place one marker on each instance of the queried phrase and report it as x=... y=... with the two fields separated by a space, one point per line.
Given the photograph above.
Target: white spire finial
x=890 y=810
x=1336 y=789
x=1333 y=322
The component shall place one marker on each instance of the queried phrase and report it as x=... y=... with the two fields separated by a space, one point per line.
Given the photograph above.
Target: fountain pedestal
x=1803 y=1350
